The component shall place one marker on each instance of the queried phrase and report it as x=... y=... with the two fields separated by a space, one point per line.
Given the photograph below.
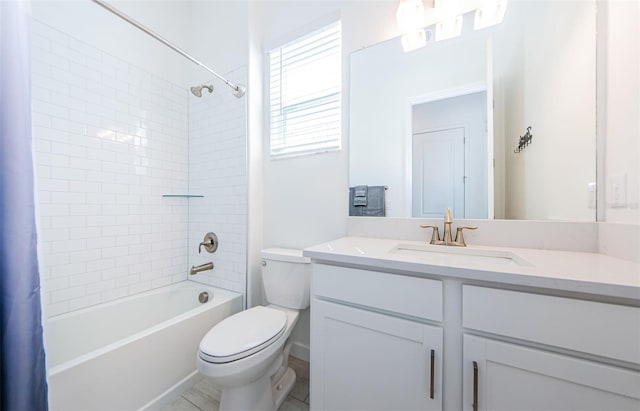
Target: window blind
x=305 y=93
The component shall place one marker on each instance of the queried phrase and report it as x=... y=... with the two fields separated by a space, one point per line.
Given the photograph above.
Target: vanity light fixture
x=448 y=29
x=410 y=18
x=490 y=15
x=450 y=18
x=414 y=40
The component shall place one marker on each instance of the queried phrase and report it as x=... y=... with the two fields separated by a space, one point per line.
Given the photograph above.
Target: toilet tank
x=286 y=275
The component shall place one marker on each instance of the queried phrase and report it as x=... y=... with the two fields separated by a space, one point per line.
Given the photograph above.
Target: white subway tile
x=67 y=222
x=46 y=133
x=83 y=163
x=67 y=125
x=84 y=209
x=67 y=294
x=83 y=279
x=103 y=264
x=100 y=286
x=100 y=198
x=83 y=117
x=97 y=64
x=52 y=310
x=54 y=284
x=64 y=76
x=52 y=260
x=84 y=187
x=40 y=119
x=68 y=174
x=50 y=109
x=82 y=70
x=68 y=198
x=49 y=159
x=85 y=256
x=84 y=232
x=100 y=177
x=115 y=251
x=100 y=220
x=128 y=280
x=54 y=210
x=67 y=53
x=114 y=231
x=67 y=101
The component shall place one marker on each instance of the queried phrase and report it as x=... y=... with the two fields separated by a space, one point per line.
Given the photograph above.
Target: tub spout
x=195 y=269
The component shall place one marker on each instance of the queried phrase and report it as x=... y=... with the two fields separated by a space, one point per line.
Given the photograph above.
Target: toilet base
x=253 y=396
x=281 y=388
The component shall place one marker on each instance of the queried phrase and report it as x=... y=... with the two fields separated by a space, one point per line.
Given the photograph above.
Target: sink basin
x=448 y=255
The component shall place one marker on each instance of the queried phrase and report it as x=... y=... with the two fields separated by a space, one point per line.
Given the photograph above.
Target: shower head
x=197 y=91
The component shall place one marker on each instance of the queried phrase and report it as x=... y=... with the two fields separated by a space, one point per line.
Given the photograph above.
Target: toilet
x=247 y=353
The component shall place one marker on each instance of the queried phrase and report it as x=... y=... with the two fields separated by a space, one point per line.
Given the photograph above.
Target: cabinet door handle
x=433 y=374
x=475 y=386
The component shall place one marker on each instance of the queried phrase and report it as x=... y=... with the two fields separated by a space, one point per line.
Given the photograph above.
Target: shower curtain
x=22 y=365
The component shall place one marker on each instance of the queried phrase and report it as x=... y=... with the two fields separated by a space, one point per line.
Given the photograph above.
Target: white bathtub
x=131 y=353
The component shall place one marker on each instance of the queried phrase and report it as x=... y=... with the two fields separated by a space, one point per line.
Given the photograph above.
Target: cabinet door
x=361 y=360
x=513 y=377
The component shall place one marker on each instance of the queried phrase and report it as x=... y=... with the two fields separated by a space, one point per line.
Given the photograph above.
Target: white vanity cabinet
x=548 y=353
x=523 y=329
x=370 y=349
x=503 y=376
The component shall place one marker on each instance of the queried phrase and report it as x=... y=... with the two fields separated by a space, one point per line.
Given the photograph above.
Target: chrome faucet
x=447 y=239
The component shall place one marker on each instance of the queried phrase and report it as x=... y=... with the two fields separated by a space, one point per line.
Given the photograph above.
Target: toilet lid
x=243 y=334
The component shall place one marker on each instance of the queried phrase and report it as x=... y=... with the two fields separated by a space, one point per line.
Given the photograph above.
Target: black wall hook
x=524 y=141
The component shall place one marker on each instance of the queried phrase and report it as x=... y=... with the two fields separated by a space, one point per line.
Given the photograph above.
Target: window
x=305 y=93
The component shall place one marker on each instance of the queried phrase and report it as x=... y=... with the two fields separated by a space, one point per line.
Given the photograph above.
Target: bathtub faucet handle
x=210 y=243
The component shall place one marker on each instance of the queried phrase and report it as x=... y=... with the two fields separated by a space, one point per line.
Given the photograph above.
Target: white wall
x=94 y=25
x=110 y=138
x=622 y=134
x=305 y=198
x=218 y=36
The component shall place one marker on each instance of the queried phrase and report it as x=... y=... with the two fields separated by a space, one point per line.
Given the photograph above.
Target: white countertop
x=589 y=273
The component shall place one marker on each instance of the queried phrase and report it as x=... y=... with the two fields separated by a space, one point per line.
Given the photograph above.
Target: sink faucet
x=447 y=239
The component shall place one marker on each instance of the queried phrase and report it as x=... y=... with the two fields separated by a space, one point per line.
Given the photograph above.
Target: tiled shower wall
x=218 y=171
x=109 y=140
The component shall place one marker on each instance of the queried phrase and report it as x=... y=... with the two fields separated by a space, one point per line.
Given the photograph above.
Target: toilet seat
x=242 y=335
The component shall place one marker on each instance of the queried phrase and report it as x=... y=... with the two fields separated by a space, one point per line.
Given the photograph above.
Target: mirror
x=497 y=123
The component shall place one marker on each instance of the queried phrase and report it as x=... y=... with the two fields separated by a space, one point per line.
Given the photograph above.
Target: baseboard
x=300 y=351
x=173 y=393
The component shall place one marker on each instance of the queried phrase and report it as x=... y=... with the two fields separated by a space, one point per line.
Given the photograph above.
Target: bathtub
x=133 y=353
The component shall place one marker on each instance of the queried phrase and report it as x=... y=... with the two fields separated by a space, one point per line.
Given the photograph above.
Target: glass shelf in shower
x=183 y=195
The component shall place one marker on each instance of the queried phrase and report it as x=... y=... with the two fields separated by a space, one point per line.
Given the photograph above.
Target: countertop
x=578 y=272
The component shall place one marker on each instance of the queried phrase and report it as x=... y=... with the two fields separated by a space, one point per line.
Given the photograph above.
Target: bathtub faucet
x=195 y=269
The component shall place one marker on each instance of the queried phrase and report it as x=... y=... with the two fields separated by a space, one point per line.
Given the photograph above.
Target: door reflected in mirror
x=449 y=157
x=537 y=69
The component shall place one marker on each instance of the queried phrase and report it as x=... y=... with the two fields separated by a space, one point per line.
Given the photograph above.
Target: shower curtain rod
x=238 y=89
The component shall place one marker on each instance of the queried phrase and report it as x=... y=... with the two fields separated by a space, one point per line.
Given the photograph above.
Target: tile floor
x=203 y=396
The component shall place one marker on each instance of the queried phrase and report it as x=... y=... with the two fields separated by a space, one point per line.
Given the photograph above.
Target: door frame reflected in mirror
x=440 y=95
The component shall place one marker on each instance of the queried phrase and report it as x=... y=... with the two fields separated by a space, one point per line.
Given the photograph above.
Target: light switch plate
x=618 y=191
